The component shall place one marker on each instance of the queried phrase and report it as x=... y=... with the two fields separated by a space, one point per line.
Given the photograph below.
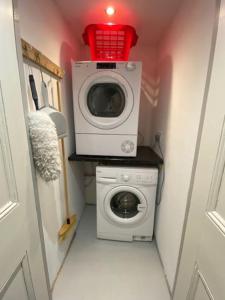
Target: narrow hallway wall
x=42 y=25
x=183 y=65
x=148 y=55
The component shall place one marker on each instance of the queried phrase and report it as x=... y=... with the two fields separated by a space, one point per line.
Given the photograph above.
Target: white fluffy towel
x=45 y=145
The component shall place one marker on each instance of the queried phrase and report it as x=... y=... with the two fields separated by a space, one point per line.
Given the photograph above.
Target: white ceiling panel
x=149 y=17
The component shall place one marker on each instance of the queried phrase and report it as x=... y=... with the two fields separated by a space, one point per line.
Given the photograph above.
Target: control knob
x=125 y=177
x=130 y=66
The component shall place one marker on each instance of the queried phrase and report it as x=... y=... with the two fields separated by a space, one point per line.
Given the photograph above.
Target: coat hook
x=30 y=69
x=42 y=78
x=37 y=57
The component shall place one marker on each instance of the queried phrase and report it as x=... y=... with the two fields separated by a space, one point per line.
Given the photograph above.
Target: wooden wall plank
x=34 y=55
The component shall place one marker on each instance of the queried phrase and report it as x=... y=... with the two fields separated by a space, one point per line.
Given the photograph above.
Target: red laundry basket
x=110 y=42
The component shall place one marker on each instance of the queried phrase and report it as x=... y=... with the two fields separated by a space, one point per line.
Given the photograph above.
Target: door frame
x=200 y=130
x=33 y=180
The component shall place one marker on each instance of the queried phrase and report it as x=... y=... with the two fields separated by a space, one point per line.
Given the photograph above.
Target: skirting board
x=166 y=279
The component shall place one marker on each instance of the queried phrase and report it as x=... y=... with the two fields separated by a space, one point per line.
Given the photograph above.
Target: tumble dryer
x=126 y=202
x=106 y=98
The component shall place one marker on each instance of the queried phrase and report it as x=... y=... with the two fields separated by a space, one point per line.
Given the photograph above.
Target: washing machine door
x=125 y=205
x=106 y=99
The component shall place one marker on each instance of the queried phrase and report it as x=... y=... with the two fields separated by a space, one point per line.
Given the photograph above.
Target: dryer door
x=125 y=205
x=106 y=100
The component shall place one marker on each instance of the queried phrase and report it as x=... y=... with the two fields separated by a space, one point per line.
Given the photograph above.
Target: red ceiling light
x=110 y=10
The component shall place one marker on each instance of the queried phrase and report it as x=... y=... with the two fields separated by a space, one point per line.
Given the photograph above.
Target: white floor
x=108 y=270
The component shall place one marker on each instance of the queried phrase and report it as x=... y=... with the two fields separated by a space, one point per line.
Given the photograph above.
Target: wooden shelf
x=146 y=157
x=34 y=55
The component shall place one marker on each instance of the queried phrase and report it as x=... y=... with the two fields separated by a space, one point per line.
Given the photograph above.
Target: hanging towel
x=45 y=146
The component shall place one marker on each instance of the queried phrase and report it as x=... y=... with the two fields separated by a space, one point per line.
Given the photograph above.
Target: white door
x=201 y=274
x=106 y=100
x=22 y=274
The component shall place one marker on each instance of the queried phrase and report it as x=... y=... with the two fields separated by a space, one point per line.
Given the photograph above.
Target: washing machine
x=106 y=98
x=126 y=203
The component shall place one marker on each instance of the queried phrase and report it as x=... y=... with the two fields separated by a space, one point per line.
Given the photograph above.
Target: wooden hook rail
x=34 y=55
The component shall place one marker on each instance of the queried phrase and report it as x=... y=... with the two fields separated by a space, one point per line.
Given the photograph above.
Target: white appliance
x=106 y=98
x=126 y=203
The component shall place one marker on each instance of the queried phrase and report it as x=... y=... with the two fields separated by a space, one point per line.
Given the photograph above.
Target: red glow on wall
x=110 y=42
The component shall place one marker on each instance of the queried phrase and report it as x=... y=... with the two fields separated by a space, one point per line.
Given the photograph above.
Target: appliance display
x=106 y=98
x=126 y=203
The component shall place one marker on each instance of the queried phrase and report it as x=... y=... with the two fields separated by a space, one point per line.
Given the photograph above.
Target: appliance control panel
x=134 y=176
x=138 y=178
x=145 y=179
x=106 y=65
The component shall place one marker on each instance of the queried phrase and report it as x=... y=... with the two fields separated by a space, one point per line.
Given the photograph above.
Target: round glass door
x=125 y=205
x=106 y=100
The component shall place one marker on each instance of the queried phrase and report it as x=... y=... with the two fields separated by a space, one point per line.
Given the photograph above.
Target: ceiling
x=149 y=17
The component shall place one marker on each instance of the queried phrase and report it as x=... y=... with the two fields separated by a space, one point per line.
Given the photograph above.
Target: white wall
x=148 y=56
x=42 y=25
x=183 y=63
